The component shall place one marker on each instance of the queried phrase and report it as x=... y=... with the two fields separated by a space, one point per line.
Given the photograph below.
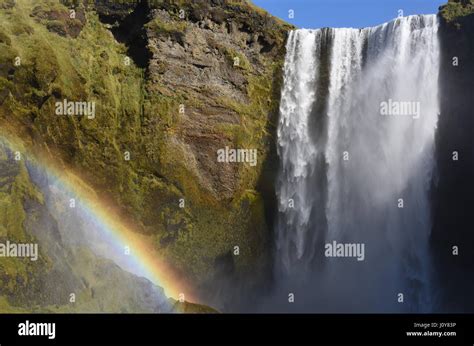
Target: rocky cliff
x=453 y=191
x=172 y=83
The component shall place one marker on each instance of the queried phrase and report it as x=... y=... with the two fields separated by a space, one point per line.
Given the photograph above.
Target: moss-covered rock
x=455 y=9
x=207 y=75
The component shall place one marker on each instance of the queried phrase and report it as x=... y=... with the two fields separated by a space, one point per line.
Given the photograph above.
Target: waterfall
x=358 y=114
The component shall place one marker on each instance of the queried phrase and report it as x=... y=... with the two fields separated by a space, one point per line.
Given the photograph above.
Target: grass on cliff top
x=457 y=8
x=251 y=7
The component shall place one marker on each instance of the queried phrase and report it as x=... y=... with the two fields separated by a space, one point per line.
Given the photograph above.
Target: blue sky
x=346 y=13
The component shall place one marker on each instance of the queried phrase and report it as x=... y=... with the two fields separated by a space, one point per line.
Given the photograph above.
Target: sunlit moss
x=457 y=8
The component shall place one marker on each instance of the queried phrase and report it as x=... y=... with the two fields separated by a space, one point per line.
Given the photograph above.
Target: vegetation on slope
x=140 y=150
x=455 y=9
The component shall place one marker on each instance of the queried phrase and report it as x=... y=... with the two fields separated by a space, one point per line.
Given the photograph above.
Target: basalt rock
x=453 y=190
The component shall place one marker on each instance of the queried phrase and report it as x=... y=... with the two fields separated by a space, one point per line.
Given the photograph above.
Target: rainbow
x=142 y=259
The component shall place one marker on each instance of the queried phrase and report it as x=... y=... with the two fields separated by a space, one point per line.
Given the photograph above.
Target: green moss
x=457 y=8
x=7 y=308
x=5 y=39
x=15 y=189
x=235 y=59
x=12 y=195
x=57 y=26
x=167 y=28
x=7 y=4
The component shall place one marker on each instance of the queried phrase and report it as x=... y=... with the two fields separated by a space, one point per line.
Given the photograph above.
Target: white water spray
x=351 y=172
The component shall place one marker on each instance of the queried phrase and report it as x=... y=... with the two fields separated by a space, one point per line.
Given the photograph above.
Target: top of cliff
x=456 y=9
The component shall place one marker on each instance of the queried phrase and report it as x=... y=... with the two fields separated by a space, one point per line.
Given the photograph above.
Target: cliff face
x=453 y=191
x=173 y=82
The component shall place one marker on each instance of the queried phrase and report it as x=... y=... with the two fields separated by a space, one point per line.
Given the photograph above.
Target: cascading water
x=358 y=115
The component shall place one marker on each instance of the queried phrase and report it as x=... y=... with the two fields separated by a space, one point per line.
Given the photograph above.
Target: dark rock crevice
x=130 y=30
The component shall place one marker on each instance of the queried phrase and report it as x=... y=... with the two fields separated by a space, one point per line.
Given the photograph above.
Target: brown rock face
x=210 y=54
x=61 y=21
